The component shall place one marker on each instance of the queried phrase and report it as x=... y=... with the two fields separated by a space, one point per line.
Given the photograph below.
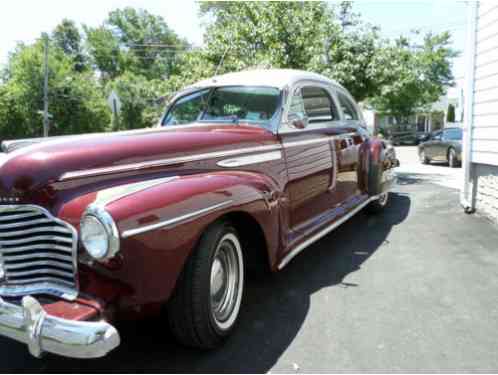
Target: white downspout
x=467 y=194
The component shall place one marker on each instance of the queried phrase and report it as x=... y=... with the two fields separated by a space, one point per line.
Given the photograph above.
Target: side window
x=318 y=105
x=348 y=108
x=453 y=134
x=437 y=136
x=297 y=105
x=187 y=109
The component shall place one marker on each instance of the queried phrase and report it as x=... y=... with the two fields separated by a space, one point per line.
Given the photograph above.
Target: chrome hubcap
x=383 y=199
x=226 y=281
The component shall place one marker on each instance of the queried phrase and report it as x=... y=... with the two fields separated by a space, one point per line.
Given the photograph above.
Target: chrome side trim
x=186 y=159
x=323 y=232
x=164 y=162
x=176 y=220
x=251 y=159
x=307 y=142
x=30 y=324
x=108 y=196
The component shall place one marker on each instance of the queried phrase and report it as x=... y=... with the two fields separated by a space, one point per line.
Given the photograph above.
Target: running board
x=324 y=232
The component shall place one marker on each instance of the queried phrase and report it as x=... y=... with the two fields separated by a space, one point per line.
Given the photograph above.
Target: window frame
x=437 y=133
x=273 y=122
x=285 y=126
x=353 y=103
x=176 y=100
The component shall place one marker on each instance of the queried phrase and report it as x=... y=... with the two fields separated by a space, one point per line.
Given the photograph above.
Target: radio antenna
x=222 y=59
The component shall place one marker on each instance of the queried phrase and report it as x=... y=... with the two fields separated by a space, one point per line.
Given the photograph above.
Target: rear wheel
x=205 y=306
x=379 y=204
x=452 y=158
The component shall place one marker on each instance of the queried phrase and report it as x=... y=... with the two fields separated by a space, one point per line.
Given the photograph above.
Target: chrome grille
x=37 y=253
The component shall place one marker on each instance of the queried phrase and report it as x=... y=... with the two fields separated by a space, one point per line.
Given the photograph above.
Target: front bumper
x=31 y=325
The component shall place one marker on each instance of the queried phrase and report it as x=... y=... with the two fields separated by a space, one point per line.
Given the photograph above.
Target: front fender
x=160 y=222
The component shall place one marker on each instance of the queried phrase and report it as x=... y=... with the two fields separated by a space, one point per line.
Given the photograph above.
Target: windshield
x=226 y=104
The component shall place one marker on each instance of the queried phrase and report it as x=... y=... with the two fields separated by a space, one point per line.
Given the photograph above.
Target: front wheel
x=452 y=158
x=423 y=157
x=205 y=306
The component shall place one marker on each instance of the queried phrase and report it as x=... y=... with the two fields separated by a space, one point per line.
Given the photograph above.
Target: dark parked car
x=442 y=145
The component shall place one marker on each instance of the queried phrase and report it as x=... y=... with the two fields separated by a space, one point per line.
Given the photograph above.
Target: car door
x=310 y=158
x=439 y=148
x=431 y=146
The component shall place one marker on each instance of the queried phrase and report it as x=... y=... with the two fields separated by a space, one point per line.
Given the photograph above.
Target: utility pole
x=45 y=89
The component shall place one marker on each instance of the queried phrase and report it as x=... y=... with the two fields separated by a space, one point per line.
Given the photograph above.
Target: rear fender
x=377 y=160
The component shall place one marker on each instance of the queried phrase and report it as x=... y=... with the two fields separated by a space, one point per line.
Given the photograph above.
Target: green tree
x=414 y=76
x=299 y=35
x=76 y=102
x=134 y=41
x=269 y=34
x=140 y=98
x=105 y=52
x=67 y=37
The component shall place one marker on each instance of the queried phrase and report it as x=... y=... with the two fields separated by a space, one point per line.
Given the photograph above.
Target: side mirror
x=298 y=122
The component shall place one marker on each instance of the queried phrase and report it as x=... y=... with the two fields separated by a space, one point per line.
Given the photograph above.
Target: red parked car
x=243 y=172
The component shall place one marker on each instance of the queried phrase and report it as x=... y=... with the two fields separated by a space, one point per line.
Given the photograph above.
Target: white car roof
x=278 y=78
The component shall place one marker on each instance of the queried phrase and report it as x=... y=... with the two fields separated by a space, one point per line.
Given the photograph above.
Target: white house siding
x=485 y=124
x=482 y=122
x=487 y=190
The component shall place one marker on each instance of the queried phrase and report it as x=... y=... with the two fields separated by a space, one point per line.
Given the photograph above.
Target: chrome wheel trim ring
x=226 y=281
x=451 y=159
x=383 y=198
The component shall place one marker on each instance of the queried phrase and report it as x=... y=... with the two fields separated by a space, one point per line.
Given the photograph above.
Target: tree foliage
x=272 y=34
x=76 y=103
x=67 y=37
x=134 y=41
x=415 y=76
x=136 y=54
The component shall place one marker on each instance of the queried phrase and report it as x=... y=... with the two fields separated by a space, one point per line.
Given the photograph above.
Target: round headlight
x=94 y=237
x=99 y=233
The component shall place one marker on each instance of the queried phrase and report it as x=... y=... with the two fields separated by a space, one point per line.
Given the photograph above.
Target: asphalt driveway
x=414 y=289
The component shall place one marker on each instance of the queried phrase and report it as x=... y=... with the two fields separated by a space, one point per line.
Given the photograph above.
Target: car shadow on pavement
x=417 y=178
x=274 y=309
x=421 y=178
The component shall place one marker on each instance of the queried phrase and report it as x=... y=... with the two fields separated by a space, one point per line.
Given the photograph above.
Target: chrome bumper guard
x=31 y=325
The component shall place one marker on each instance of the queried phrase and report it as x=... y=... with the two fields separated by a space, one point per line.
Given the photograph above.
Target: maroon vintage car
x=243 y=172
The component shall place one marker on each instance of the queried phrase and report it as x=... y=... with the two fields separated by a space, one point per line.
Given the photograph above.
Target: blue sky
x=24 y=20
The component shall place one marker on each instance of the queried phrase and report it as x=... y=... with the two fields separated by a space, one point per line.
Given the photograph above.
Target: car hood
x=33 y=164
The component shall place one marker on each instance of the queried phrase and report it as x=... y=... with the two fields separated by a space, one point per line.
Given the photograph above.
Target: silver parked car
x=442 y=145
